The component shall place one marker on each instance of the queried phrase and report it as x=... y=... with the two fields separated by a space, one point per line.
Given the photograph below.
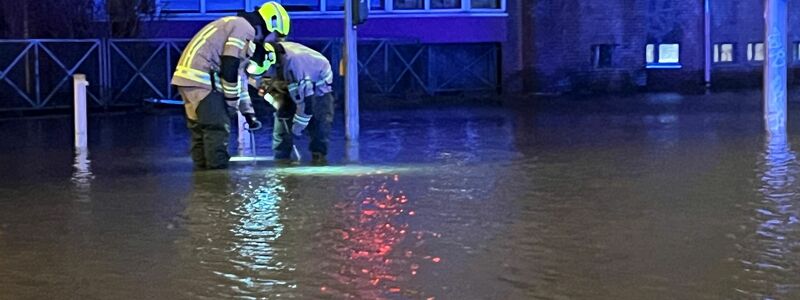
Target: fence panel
x=36 y=74
x=58 y=61
x=463 y=68
x=141 y=69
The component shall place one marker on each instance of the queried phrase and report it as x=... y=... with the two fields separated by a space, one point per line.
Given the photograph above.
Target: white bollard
x=81 y=136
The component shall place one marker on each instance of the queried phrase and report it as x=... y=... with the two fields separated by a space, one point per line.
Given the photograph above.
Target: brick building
x=571 y=45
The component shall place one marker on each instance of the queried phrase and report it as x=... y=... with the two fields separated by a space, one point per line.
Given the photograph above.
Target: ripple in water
x=768 y=248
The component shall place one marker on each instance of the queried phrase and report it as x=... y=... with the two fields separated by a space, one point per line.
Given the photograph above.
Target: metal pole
x=294 y=147
x=243 y=139
x=707 y=21
x=26 y=34
x=352 y=152
x=351 y=74
x=253 y=146
x=775 y=66
x=81 y=137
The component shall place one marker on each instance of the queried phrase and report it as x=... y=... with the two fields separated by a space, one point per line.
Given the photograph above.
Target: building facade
x=533 y=45
x=650 y=45
x=410 y=48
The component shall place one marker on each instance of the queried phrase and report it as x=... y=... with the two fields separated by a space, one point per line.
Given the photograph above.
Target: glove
x=300 y=124
x=253 y=124
x=230 y=106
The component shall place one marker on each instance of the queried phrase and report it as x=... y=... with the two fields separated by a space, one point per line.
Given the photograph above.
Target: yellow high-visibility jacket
x=229 y=36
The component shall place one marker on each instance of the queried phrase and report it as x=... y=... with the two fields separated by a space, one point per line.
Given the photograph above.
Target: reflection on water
x=564 y=202
x=376 y=246
x=259 y=225
x=234 y=222
x=82 y=175
x=768 y=247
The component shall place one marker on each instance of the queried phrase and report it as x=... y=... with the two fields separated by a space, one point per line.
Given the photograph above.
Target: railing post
x=707 y=37
x=81 y=137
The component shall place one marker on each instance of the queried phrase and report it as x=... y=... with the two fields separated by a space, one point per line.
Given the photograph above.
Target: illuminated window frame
x=719 y=51
x=387 y=11
x=756 y=52
x=655 y=60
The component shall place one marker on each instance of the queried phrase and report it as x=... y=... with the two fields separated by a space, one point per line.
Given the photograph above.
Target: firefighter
x=212 y=82
x=299 y=87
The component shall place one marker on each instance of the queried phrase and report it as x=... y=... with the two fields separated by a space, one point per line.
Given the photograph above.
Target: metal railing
x=142 y=68
x=37 y=71
x=123 y=72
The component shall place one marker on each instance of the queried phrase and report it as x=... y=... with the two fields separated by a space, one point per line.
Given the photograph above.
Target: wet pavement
x=647 y=197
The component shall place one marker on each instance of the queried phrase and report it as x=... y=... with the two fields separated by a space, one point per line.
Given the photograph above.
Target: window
x=485 y=4
x=668 y=53
x=180 y=5
x=224 y=5
x=602 y=56
x=797 y=52
x=723 y=53
x=445 y=4
x=663 y=56
x=409 y=4
x=300 y=5
x=755 y=52
x=338 y=5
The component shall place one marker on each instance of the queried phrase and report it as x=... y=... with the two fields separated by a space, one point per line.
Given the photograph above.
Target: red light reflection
x=375 y=231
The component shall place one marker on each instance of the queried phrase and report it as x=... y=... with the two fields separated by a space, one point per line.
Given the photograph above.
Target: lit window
x=668 y=53
x=663 y=56
x=755 y=52
x=602 y=56
x=723 y=53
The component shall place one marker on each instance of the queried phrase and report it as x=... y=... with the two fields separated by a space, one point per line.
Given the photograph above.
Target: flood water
x=649 y=197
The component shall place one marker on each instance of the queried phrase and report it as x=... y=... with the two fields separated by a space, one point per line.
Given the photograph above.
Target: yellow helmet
x=276 y=17
x=254 y=68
